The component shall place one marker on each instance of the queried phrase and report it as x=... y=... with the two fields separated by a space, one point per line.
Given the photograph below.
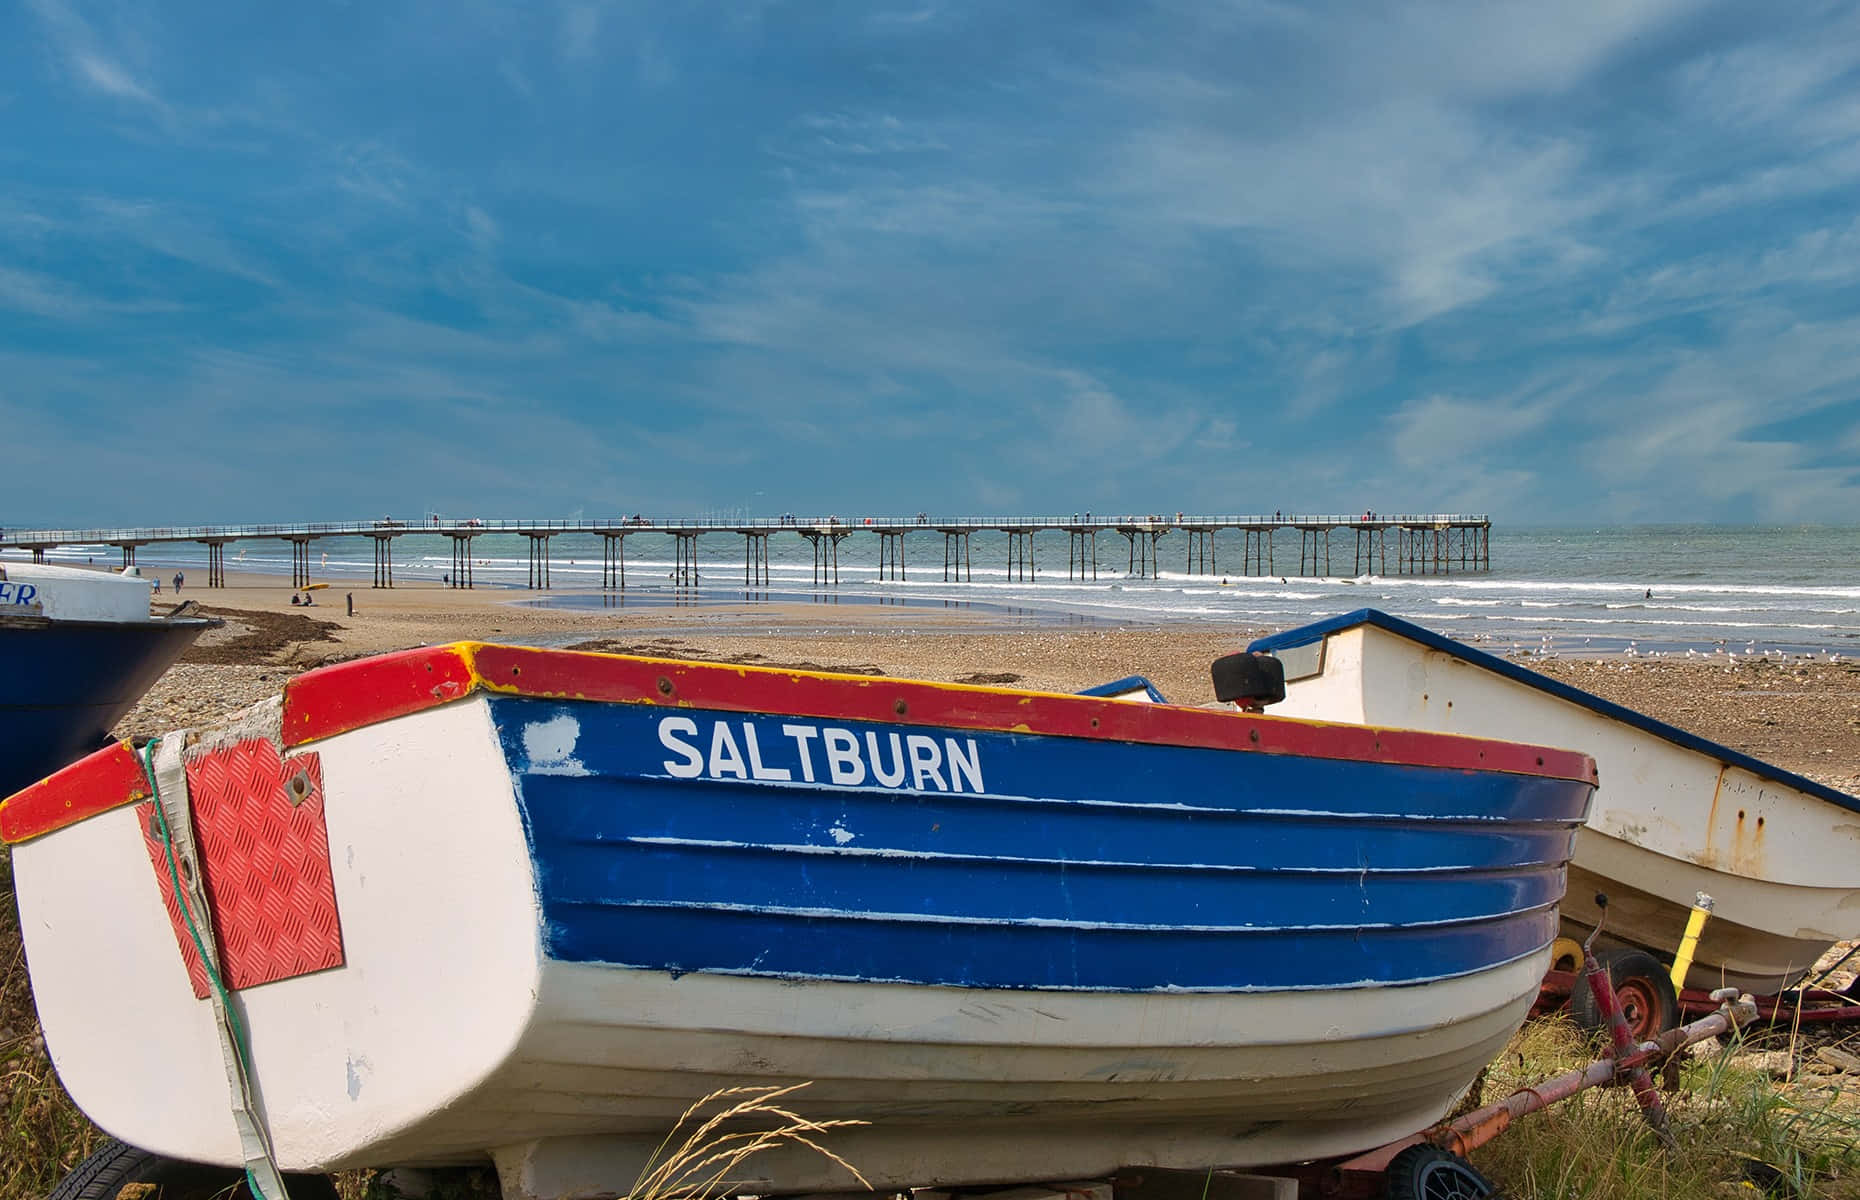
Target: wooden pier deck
x=1376 y=543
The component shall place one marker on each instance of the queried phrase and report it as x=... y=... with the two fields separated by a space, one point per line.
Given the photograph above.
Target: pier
x=1402 y=544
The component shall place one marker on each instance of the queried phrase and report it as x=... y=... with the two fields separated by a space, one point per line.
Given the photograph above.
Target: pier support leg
x=1020 y=554
x=539 y=560
x=956 y=556
x=216 y=564
x=461 y=576
x=755 y=559
x=1372 y=541
x=1082 y=554
x=1314 y=550
x=1201 y=560
x=384 y=561
x=826 y=557
x=300 y=562
x=1256 y=554
x=1142 y=541
x=613 y=561
x=684 y=559
x=890 y=554
x=129 y=556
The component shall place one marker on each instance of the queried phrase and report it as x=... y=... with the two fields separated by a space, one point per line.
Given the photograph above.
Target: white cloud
x=481 y=228
x=28 y=291
x=82 y=51
x=579 y=31
x=111 y=78
x=1437 y=431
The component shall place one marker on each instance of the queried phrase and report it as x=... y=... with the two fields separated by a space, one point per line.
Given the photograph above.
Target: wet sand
x=1803 y=716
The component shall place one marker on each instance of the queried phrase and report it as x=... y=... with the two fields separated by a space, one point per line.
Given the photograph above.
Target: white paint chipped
x=550 y=746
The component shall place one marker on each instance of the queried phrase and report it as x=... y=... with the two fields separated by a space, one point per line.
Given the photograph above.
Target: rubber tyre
x=1249 y=677
x=116 y=1165
x=1643 y=987
x=1429 y=1173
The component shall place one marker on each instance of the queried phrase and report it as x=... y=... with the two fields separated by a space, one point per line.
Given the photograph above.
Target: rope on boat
x=163 y=766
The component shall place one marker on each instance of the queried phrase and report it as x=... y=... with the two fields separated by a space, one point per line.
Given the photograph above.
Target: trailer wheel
x=1429 y=1173
x=116 y=1165
x=1643 y=987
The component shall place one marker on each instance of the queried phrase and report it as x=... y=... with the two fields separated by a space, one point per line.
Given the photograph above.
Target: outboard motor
x=1250 y=679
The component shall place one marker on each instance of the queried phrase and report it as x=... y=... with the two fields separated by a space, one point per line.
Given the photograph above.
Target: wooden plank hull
x=1675 y=815
x=1016 y=933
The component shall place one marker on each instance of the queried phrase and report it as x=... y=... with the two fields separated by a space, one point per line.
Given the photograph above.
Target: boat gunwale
x=1317 y=631
x=342 y=697
x=38 y=621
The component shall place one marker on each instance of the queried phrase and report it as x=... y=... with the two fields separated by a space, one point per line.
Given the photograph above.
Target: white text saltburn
x=811 y=753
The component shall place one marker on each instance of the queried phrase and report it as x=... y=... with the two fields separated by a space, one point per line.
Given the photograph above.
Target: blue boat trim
x=862 y=852
x=1129 y=683
x=1290 y=987
x=1022 y=958
x=910 y=918
x=1305 y=635
x=685 y=840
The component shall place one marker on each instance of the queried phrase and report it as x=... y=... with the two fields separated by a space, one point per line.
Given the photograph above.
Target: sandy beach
x=1802 y=715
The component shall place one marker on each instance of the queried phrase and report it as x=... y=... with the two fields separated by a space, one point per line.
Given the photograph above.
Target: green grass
x=1731 y=1124
x=1592 y=1147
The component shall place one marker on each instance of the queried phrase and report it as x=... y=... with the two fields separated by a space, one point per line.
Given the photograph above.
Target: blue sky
x=1586 y=261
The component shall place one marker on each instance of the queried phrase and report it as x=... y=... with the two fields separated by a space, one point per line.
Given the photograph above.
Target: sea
x=1579 y=591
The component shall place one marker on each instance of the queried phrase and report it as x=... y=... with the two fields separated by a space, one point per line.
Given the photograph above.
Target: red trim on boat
x=109 y=778
x=581 y=676
x=336 y=699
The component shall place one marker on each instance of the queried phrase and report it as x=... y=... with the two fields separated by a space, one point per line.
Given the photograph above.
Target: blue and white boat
x=1676 y=815
x=78 y=648
x=504 y=905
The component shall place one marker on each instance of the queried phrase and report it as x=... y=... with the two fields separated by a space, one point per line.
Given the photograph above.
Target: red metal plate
x=259 y=824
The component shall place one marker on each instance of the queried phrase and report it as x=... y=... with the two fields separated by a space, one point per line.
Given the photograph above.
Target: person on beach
x=179 y=579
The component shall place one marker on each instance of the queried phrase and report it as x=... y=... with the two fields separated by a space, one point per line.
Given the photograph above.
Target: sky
x=1592 y=261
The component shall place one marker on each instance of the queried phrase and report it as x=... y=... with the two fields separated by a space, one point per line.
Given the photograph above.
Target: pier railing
x=390 y=527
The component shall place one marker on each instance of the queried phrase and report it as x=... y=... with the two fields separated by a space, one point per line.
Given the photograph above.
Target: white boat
x=78 y=648
x=492 y=904
x=1675 y=815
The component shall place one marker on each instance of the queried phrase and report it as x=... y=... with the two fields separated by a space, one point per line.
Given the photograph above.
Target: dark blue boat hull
x=718 y=842
x=65 y=684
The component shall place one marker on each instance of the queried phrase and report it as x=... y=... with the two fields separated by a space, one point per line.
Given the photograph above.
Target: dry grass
x=713 y=1147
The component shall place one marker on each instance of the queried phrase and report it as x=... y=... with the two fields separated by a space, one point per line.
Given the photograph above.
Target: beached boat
x=495 y=903
x=1675 y=815
x=78 y=648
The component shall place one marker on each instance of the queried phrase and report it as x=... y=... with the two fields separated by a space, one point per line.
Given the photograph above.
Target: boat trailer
x=1432 y=1163
x=1421 y=1166
x=1654 y=998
